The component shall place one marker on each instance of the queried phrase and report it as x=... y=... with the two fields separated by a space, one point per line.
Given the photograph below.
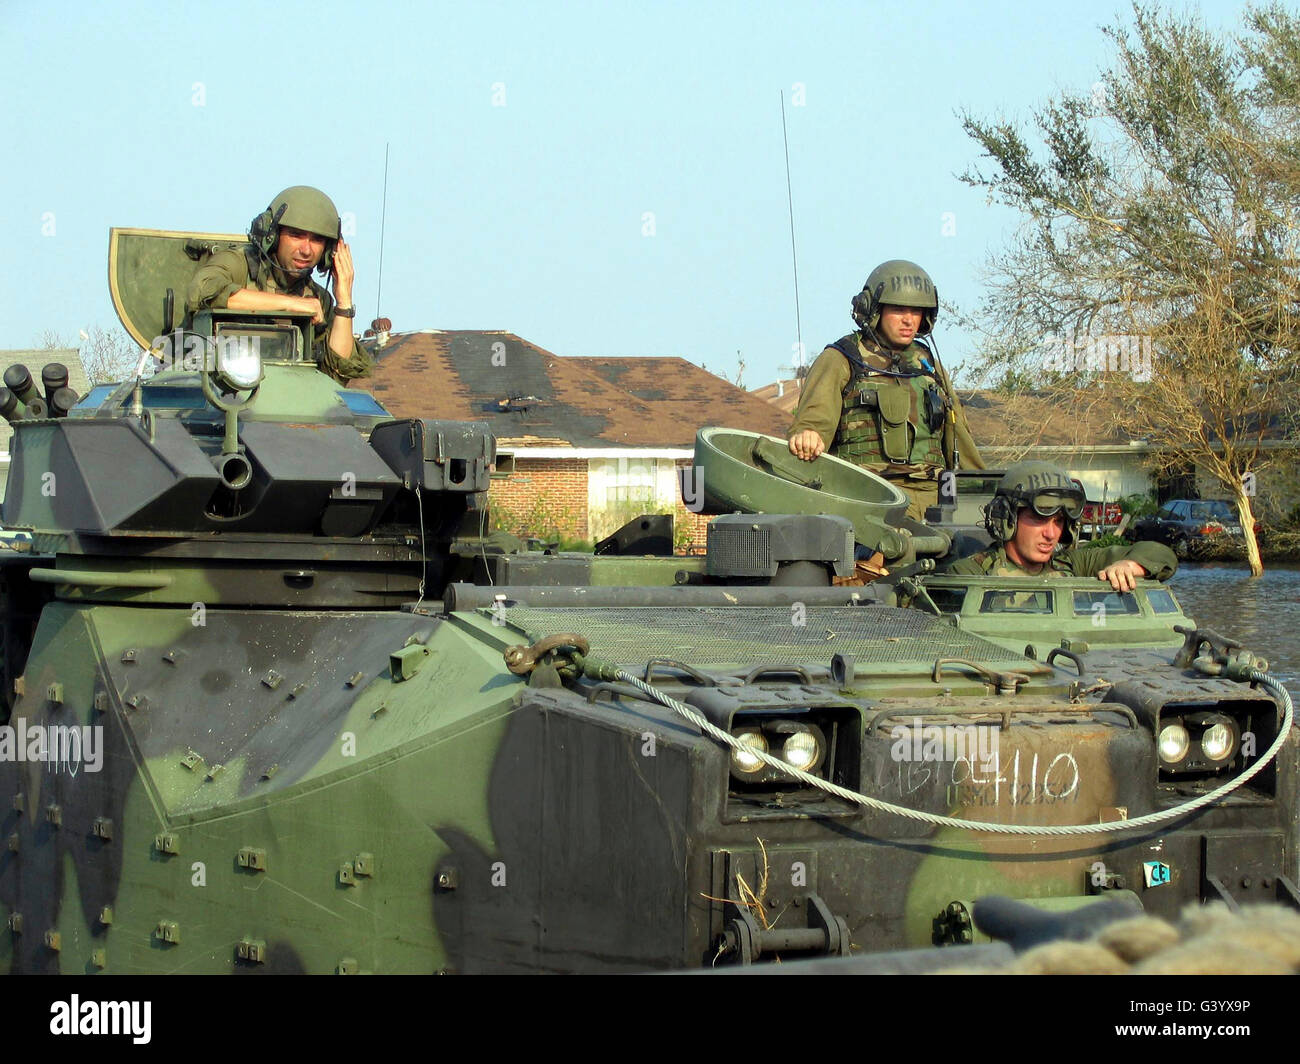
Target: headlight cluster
x=239 y=361
x=1197 y=742
x=800 y=745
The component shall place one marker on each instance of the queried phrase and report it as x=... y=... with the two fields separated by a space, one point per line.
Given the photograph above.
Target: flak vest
x=893 y=414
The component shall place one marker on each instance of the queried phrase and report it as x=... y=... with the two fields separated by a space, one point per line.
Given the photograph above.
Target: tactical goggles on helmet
x=1049 y=503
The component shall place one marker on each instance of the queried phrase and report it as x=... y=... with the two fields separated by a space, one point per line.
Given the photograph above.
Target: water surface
x=1263 y=614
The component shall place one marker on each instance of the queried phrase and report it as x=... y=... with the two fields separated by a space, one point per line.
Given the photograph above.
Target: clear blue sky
x=531 y=216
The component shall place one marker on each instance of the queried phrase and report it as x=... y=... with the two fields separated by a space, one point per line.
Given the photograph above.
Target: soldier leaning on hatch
x=1035 y=510
x=298 y=232
x=880 y=399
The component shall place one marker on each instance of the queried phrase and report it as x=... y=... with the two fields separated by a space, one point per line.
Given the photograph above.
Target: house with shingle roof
x=584 y=444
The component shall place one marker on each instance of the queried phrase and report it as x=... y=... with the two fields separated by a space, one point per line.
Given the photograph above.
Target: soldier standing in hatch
x=299 y=232
x=1036 y=509
x=880 y=399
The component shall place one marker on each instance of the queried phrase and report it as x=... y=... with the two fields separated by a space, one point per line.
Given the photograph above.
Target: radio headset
x=264 y=231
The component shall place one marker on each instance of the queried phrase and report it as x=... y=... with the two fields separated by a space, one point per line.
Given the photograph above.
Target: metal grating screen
x=740 y=551
x=718 y=635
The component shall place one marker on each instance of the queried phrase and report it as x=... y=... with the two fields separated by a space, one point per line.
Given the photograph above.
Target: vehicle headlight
x=801 y=750
x=239 y=361
x=741 y=760
x=1174 y=743
x=1218 y=742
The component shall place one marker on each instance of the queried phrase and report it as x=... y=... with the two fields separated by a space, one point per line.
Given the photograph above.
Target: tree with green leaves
x=1162 y=211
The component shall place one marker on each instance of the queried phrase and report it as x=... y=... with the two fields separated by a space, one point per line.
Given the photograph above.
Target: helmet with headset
x=899 y=283
x=299 y=207
x=1040 y=486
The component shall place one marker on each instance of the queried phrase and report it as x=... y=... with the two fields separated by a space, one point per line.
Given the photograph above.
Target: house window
x=619 y=489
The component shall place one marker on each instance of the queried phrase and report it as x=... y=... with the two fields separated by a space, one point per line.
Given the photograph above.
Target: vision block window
x=274 y=343
x=948 y=599
x=363 y=403
x=1018 y=602
x=1162 y=601
x=1115 y=603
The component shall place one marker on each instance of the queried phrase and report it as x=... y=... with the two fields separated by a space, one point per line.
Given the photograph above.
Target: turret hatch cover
x=144 y=263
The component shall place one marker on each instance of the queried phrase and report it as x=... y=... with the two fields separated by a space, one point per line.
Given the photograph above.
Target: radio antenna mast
x=789 y=192
x=383 y=217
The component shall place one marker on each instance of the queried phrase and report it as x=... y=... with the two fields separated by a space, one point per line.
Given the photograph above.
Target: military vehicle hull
x=275 y=791
x=273 y=703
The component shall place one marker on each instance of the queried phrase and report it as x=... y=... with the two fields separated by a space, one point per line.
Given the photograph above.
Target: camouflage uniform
x=1158 y=560
x=831 y=404
x=227 y=270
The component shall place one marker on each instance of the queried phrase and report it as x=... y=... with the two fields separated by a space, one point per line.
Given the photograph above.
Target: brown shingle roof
x=524 y=391
x=783 y=394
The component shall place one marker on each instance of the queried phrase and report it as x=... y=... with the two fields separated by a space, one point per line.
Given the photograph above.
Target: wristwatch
x=350 y=312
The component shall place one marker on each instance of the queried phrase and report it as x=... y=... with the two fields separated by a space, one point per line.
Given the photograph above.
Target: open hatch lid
x=144 y=263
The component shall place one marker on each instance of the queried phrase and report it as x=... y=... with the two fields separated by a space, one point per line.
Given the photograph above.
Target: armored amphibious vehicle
x=275 y=702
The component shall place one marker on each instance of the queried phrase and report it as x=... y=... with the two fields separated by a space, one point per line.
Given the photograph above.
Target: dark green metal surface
x=292 y=755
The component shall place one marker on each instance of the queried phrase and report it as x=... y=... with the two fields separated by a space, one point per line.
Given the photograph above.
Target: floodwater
x=1262 y=614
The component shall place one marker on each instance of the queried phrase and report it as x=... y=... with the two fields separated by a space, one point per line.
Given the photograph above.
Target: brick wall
x=543 y=496
x=689 y=529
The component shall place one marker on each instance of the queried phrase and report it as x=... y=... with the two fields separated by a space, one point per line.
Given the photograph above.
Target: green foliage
x=609 y=520
x=1139 y=505
x=542 y=519
x=554 y=524
x=1108 y=540
x=1161 y=207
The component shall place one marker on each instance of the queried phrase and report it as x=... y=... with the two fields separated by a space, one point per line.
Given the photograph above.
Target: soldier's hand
x=317 y=311
x=807 y=444
x=344 y=274
x=1123 y=576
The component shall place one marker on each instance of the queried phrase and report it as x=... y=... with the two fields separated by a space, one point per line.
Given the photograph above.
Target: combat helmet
x=902 y=284
x=299 y=207
x=1041 y=486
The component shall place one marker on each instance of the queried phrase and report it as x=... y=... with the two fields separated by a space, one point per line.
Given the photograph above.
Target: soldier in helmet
x=298 y=233
x=1034 y=514
x=880 y=399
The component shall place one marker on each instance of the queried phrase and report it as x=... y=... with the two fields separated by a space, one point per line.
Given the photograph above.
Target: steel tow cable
x=599 y=670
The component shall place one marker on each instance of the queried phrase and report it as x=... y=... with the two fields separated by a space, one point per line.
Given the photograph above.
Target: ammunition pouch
x=896 y=435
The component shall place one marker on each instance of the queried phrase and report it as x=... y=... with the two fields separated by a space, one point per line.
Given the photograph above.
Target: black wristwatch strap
x=350 y=312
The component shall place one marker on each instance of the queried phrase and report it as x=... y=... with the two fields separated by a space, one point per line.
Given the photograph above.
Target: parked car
x=1186 y=524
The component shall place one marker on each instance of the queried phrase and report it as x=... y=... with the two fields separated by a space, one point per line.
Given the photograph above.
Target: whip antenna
x=383 y=217
x=798 y=327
